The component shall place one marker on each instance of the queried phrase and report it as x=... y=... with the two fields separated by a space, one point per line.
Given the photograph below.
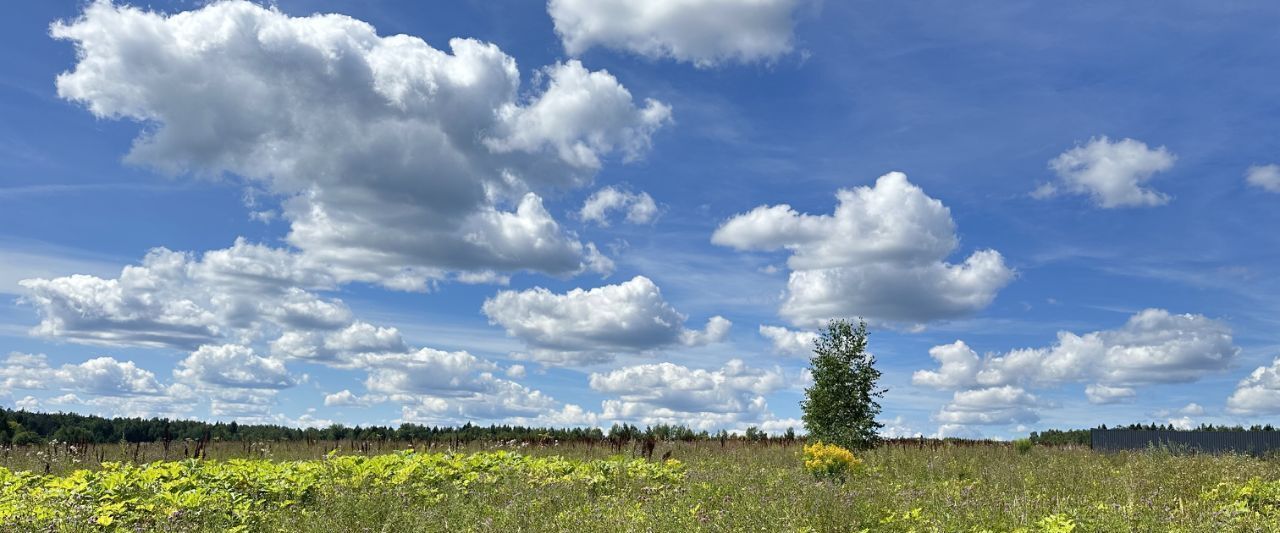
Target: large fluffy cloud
x=429 y=371
x=702 y=32
x=433 y=386
x=178 y=300
x=666 y=393
x=789 y=341
x=1112 y=173
x=230 y=365
x=396 y=162
x=882 y=255
x=989 y=406
x=1259 y=393
x=438 y=387
x=225 y=307
x=430 y=385
x=103 y=376
x=584 y=326
x=109 y=387
x=958 y=368
x=1153 y=346
x=339 y=347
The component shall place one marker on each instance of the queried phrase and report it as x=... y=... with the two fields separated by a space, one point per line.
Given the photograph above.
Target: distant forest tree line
x=23 y=427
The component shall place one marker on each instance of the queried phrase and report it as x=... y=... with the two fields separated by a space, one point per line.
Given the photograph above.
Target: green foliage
x=248 y=493
x=25 y=438
x=841 y=407
x=940 y=487
x=1253 y=499
x=1023 y=446
x=73 y=434
x=1056 y=437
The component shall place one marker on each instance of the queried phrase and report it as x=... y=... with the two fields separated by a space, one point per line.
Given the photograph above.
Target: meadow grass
x=765 y=488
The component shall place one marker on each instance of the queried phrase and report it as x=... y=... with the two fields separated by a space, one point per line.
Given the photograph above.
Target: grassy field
x=290 y=487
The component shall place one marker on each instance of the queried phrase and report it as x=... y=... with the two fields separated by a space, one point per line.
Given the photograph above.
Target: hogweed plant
x=247 y=494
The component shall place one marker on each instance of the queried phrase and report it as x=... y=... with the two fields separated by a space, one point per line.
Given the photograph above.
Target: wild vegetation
x=898 y=486
x=242 y=494
x=74 y=473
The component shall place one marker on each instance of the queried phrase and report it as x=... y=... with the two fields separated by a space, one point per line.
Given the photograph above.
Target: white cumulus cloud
x=667 y=393
x=178 y=300
x=338 y=347
x=27 y=403
x=639 y=207
x=790 y=341
x=989 y=406
x=702 y=32
x=428 y=371
x=958 y=367
x=223 y=307
x=881 y=255
x=584 y=326
x=1153 y=346
x=1103 y=394
x=107 y=376
x=1259 y=393
x=394 y=162
x=231 y=365
x=347 y=398
x=1112 y=173
x=1265 y=177
x=102 y=376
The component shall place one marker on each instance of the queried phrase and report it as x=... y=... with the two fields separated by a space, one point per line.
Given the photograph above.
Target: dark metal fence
x=1251 y=442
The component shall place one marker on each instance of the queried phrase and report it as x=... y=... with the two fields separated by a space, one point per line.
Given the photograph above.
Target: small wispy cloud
x=26 y=191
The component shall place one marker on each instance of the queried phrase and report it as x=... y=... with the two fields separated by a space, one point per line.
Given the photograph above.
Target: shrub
x=828 y=461
x=25 y=438
x=1023 y=445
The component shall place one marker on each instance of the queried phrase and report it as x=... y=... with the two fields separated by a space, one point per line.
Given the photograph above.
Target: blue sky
x=557 y=222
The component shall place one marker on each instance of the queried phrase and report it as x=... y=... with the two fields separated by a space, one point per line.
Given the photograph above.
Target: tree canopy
x=840 y=407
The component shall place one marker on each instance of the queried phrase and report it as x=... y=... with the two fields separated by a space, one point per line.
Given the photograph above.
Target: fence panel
x=1252 y=442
